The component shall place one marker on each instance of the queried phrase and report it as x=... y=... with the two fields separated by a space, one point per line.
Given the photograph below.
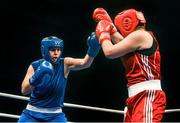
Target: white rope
x=79 y=106
x=14 y=96
x=93 y=108
x=9 y=115
x=65 y=104
x=172 y=110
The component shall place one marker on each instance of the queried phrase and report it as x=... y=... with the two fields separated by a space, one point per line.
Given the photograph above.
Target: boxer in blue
x=46 y=80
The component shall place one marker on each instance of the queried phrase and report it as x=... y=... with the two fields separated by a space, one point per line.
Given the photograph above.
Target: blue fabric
x=93 y=45
x=50 y=94
x=42 y=74
x=47 y=94
x=49 y=42
x=30 y=116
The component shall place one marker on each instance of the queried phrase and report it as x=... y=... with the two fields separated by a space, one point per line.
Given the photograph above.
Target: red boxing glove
x=101 y=14
x=103 y=30
x=113 y=29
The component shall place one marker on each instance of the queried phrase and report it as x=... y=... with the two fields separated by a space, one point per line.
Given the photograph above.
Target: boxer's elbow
x=25 y=89
x=109 y=54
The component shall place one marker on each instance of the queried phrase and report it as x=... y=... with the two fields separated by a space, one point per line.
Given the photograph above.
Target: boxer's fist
x=101 y=14
x=103 y=30
x=45 y=70
x=93 y=45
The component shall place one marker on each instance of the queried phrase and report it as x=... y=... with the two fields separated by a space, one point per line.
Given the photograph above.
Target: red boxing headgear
x=127 y=21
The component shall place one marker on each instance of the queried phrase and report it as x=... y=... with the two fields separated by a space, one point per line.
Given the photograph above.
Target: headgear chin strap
x=127 y=21
x=50 y=42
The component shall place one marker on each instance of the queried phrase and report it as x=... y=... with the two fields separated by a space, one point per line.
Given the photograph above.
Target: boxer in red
x=138 y=50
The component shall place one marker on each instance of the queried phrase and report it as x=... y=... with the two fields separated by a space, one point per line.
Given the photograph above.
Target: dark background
x=24 y=23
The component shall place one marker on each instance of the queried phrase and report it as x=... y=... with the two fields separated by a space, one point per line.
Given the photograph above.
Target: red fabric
x=103 y=30
x=139 y=67
x=101 y=14
x=127 y=21
x=147 y=106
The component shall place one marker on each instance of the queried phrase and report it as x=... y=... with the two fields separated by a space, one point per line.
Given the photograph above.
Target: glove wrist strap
x=104 y=36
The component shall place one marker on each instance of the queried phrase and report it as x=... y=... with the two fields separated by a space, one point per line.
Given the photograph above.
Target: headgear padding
x=127 y=21
x=49 y=42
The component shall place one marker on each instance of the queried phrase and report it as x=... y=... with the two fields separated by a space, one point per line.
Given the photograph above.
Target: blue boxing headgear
x=49 y=42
